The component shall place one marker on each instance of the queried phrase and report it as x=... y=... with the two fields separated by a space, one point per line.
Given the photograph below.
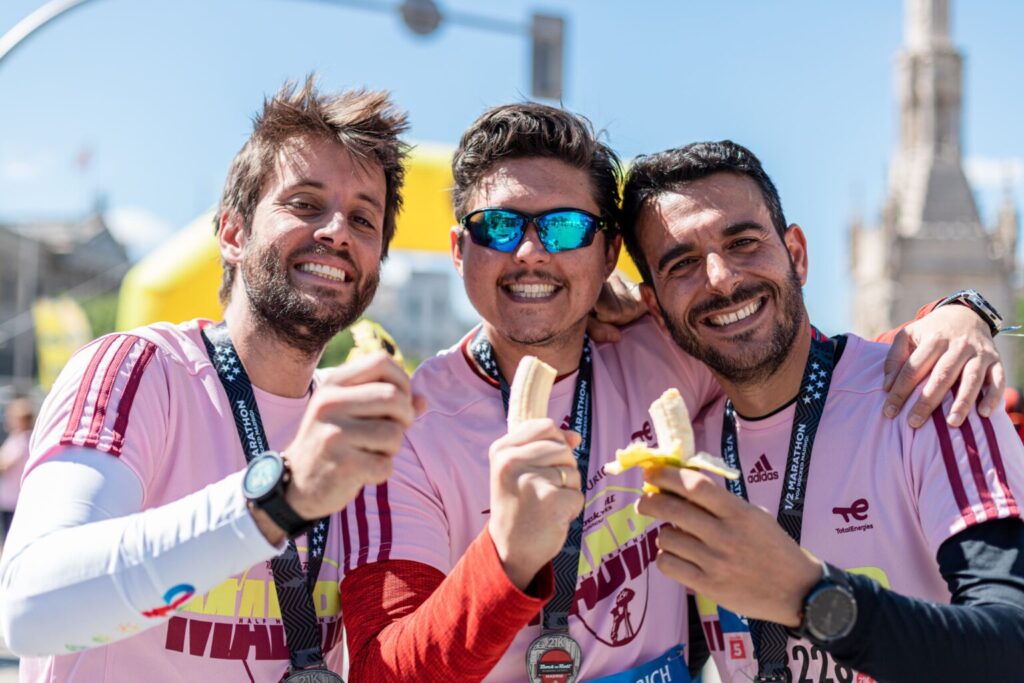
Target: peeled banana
x=675 y=443
x=531 y=389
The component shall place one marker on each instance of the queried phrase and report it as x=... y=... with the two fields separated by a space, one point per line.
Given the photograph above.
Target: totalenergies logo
x=174 y=600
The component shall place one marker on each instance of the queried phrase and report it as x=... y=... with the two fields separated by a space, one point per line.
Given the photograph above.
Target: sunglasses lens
x=564 y=230
x=496 y=229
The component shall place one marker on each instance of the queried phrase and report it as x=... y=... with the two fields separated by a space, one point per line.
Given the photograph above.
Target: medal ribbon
x=294 y=588
x=566 y=563
x=769 y=638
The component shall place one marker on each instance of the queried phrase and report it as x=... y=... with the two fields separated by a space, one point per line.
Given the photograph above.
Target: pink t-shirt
x=626 y=612
x=14 y=454
x=152 y=398
x=881 y=497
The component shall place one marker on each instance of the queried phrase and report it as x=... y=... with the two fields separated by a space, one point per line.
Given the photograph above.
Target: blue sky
x=161 y=92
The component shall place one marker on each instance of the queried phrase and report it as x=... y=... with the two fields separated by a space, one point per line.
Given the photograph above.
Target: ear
x=231 y=237
x=796 y=245
x=456 y=246
x=614 y=246
x=651 y=300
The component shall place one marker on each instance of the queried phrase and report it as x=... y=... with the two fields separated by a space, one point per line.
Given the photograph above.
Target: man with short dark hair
x=138 y=505
x=881 y=524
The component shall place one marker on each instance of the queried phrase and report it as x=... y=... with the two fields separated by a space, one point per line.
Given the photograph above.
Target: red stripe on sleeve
x=83 y=391
x=362 y=524
x=124 y=406
x=345 y=541
x=384 y=515
x=978 y=472
x=99 y=412
x=997 y=461
x=952 y=471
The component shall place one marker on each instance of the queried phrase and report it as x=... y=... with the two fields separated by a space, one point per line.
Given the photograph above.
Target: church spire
x=930 y=82
x=926 y=24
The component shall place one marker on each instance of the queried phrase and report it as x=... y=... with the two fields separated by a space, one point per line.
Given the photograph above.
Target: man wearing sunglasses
x=458 y=568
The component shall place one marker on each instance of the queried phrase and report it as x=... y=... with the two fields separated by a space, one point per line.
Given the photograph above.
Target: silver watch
x=976 y=302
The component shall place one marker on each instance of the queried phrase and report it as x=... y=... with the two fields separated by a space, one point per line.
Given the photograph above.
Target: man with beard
x=880 y=526
x=138 y=504
x=449 y=572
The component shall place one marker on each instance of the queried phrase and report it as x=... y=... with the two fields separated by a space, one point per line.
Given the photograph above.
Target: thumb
x=898 y=354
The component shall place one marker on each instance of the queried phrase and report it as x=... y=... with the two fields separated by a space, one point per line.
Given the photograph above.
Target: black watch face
x=262 y=476
x=831 y=614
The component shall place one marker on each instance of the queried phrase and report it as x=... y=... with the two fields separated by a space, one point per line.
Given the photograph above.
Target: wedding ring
x=565 y=477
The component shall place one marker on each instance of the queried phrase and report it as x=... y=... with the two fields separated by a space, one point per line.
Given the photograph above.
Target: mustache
x=323 y=250
x=718 y=303
x=534 y=276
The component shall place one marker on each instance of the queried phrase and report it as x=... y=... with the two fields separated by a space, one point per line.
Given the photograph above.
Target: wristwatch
x=265 y=481
x=830 y=609
x=976 y=302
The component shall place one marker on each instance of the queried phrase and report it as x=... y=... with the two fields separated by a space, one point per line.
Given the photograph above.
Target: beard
x=757 y=360
x=303 y=320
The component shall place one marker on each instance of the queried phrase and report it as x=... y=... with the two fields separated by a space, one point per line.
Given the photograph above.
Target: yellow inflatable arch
x=179 y=280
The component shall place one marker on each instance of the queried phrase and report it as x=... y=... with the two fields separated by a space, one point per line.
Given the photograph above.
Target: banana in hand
x=530 y=391
x=675 y=443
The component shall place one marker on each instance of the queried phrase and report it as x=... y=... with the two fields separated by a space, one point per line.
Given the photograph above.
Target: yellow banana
x=531 y=389
x=675 y=444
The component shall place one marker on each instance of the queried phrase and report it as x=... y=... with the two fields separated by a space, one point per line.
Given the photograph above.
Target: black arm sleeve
x=979 y=637
x=699 y=652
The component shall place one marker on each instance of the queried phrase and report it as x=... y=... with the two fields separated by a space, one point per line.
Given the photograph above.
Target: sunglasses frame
x=600 y=224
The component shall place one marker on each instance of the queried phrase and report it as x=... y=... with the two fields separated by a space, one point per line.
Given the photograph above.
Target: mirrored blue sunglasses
x=558 y=229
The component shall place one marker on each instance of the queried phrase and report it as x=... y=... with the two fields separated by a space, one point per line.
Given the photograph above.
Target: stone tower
x=930 y=241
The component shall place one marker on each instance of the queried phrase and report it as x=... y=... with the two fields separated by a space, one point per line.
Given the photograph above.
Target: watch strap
x=831 y=577
x=973 y=300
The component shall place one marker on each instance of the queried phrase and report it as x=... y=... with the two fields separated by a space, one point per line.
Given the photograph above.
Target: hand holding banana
x=535 y=484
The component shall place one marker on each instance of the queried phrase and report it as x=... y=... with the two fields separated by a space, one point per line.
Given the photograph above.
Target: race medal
x=553 y=658
x=313 y=676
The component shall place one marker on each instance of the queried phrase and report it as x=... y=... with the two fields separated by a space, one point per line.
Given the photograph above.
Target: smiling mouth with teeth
x=531 y=291
x=723 y=319
x=323 y=271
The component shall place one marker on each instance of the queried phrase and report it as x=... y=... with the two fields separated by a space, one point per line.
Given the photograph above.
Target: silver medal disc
x=314 y=676
x=553 y=658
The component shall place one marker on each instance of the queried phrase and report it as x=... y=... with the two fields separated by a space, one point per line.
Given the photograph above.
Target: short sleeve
x=965 y=475
x=111 y=397
x=401 y=519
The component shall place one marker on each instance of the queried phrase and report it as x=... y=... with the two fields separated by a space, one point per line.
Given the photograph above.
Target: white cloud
x=137 y=228
x=986 y=173
x=21 y=170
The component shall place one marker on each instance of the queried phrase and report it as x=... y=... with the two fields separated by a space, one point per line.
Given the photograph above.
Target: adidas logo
x=762 y=471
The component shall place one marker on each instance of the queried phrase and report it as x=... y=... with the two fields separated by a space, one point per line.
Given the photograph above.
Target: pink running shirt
x=881 y=497
x=626 y=612
x=151 y=398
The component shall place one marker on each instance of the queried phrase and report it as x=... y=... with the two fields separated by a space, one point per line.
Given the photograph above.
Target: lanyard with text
x=769 y=638
x=294 y=591
x=555 y=651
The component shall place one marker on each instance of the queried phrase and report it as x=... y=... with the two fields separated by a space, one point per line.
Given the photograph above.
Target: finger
x=379 y=400
x=898 y=354
x=382 y=437
x=910 y=375
x=537 y=429
x=572 y=439
x=681 y=513
x=683 y=545
x=943 y=376
x=564 y=477
x=602 y=332
x=686 y=573
x=375 y=367
x=537 y=455
x=695 y=487
x=971 y=381
x=994 y=391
